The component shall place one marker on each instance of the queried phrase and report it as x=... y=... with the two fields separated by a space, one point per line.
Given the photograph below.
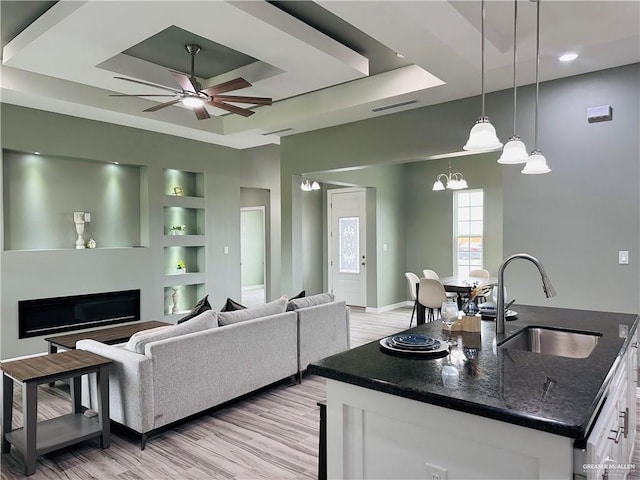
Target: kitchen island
x=511 y=414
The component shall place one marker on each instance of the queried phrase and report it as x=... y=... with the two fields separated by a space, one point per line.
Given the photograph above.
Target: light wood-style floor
x=272 y=435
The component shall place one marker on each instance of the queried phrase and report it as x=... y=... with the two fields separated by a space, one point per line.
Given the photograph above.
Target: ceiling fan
x=194 y=96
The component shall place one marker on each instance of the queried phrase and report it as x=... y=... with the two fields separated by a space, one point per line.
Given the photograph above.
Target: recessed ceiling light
x=116 y=163
x=37 y=153
x=568 y=57
x=399 y=55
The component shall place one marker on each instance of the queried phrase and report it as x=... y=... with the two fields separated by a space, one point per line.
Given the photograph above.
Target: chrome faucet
x=546 y=286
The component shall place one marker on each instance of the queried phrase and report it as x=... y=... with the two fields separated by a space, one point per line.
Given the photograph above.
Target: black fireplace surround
x=45 y=316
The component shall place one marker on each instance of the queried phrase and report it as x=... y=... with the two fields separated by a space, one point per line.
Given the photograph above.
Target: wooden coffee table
x=109 y=336
x=35 y=438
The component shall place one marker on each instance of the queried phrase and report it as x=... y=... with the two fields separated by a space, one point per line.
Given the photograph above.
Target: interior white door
x=252 y=255
x=347 y=241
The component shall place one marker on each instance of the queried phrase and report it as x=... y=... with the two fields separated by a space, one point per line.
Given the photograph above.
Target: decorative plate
x=434 y=349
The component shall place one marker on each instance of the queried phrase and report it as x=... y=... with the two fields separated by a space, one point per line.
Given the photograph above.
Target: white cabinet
x=610 y=445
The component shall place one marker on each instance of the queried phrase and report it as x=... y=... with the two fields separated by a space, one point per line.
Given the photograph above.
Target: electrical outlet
x=226 y=250
x=87 y=217
x=435 y=472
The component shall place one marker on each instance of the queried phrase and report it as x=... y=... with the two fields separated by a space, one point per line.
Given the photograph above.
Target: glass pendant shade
x=536 y=164
x=514 y=152
x=437 y=186
x=482 y=136
x=315 y=186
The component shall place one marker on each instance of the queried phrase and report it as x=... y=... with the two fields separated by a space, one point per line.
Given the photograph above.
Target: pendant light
x=536 y=163
x=514 y=151
x=483 y=135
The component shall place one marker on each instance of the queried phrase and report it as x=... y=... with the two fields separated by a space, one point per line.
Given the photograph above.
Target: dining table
x=462 y=285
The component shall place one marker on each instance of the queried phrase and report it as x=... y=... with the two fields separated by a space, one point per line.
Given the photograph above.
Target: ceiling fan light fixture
x=193 y=102
x=514 y=152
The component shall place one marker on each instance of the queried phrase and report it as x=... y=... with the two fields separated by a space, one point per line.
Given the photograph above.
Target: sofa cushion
x=313 y=300
x=139 y=340
x=231 y=306
x=271 y=308
x=200 y=307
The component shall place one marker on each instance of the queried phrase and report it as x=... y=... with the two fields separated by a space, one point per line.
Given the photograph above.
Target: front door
x=347 y=245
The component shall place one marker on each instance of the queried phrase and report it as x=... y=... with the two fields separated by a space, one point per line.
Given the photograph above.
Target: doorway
x=347 y=245
x=252 y=255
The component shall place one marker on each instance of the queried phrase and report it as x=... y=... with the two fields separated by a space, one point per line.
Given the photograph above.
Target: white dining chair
x=480 y=273
x=484 y=274
x=431 y=295
x=453 y=296
x=413 y=280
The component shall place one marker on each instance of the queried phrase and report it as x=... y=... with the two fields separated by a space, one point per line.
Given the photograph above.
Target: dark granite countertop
x=494 y=382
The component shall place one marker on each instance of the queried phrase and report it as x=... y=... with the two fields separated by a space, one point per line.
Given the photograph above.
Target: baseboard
x=387 y=308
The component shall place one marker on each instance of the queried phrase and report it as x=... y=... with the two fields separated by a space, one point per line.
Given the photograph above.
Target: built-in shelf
x=180 y=183
x=191 y=219
x=187 y=295
x=184 y=205
x=192 y=256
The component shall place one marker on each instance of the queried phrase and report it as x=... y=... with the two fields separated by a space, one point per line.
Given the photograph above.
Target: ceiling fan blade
x=162 y=105
x=239 y=99
x=231 y=108
x=235 y=84
x=140 y=95
x=183 y=80
x=149 y=84
x=201 y=113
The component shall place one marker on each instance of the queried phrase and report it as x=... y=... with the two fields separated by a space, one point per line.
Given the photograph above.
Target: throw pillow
x=302 y=294
x=311 y=301
x=231 y=306
x=200 y=307
x=271 y=308
x=139 y=340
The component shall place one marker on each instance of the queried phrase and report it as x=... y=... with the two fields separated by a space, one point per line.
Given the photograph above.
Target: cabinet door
x=632 y=384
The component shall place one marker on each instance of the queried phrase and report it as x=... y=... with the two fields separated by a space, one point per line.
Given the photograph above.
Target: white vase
x=78 y=219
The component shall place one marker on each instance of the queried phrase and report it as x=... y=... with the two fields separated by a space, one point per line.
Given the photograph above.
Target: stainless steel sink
x=553 y=341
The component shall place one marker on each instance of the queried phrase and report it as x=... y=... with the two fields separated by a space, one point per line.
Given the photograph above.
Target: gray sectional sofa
x=165 y=375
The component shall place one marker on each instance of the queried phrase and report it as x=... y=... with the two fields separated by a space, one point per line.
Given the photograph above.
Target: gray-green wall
x=28 y=274
x=575 y=219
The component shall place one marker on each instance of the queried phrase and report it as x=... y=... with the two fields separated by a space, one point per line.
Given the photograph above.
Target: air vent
x=395 y=105
x=282 y=130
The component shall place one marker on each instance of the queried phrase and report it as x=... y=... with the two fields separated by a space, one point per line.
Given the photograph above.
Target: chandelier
x=452 y=181
x=307 y=186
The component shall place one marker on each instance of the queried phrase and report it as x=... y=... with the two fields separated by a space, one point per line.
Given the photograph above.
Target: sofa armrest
x=323 y=330
x=130 y=385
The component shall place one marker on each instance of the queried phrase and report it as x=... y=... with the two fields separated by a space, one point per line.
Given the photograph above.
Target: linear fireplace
x=45 y=316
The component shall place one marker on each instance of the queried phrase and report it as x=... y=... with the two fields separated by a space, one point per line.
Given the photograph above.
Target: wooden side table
x=109 y=335
x=35 y=438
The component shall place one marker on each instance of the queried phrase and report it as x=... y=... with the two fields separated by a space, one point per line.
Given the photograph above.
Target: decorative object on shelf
x=452 y=181
x=514 y=151
x=78 y=219
x=178 y=229
x=307 y=186
x=174 y=297
x=181 y=267
x=178 y=191
x=91 y=243
x=483 y=135
x=536 y=163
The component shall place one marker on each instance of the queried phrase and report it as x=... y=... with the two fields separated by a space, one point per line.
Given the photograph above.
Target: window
x=468 y=225
x=349 y=244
